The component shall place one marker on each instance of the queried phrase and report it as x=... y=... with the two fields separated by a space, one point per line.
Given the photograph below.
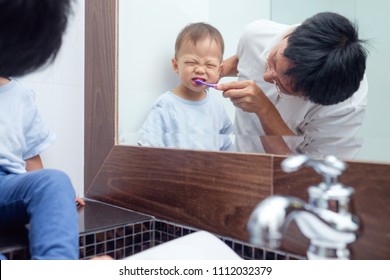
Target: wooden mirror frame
x=101 y=67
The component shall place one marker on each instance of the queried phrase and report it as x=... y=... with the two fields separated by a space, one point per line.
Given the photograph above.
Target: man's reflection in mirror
x=305 y=80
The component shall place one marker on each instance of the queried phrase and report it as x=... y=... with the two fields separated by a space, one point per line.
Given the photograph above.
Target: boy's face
x=201 y=61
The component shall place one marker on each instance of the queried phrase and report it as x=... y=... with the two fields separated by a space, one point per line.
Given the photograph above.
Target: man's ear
x=175 y=67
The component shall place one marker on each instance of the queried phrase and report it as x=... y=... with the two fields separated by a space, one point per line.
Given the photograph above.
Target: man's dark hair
x=329 y=58
x=30 y=34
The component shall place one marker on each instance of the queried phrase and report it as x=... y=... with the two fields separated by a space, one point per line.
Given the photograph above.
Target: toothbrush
x=200 y=82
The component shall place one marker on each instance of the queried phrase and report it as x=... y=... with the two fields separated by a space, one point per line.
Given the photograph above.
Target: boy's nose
x=199 y=69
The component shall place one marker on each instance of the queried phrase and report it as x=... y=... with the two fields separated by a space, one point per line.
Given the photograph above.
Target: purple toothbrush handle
x=200 y=82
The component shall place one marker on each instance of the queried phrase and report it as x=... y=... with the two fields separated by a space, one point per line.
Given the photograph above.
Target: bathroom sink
x=200 y=245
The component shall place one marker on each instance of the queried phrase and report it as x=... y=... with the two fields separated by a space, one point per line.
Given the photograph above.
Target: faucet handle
x=329 y=194
x=329 y=167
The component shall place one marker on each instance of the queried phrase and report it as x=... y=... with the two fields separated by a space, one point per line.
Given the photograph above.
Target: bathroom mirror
x=226 y=186
x=101 y=80
x=146 y=41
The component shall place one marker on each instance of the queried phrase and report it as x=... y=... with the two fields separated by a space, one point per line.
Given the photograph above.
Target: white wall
x=60 y=98
x=146 y=46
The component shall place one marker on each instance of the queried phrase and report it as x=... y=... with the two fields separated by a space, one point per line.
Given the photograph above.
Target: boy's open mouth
x=195 y=83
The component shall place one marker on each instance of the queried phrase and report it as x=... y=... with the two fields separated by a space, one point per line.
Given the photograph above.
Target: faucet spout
x=329 y=232
x=328 y=219
x=270 y=218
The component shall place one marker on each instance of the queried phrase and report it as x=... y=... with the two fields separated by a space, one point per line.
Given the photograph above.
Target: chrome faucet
x=328 y=219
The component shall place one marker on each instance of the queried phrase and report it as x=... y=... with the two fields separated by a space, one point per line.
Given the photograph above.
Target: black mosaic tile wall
x=119 y=233
x=166 y=231
x=19 y=252
x=13 y=244
x=118 y=242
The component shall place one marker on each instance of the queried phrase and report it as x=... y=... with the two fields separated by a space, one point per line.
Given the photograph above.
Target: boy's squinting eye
x=211 y=65
x=189 y=63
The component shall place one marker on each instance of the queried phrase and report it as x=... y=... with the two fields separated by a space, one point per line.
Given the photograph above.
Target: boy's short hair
x=33 y=37
x=197 y=31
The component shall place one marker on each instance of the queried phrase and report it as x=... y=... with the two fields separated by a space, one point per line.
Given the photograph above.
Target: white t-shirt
x=322 y=130
x=22 y=132
x=174 y=122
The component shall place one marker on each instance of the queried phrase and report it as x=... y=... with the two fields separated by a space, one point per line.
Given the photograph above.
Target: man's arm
x=230 y=67
x=275 y=145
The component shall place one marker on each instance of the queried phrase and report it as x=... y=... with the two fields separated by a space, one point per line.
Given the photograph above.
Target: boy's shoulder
x=165 y=99
x=16 y=91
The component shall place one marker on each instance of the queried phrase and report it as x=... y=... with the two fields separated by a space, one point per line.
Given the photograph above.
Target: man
x=304 y=80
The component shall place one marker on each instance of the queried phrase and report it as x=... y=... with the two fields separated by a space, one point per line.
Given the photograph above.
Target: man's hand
x=246 y=95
